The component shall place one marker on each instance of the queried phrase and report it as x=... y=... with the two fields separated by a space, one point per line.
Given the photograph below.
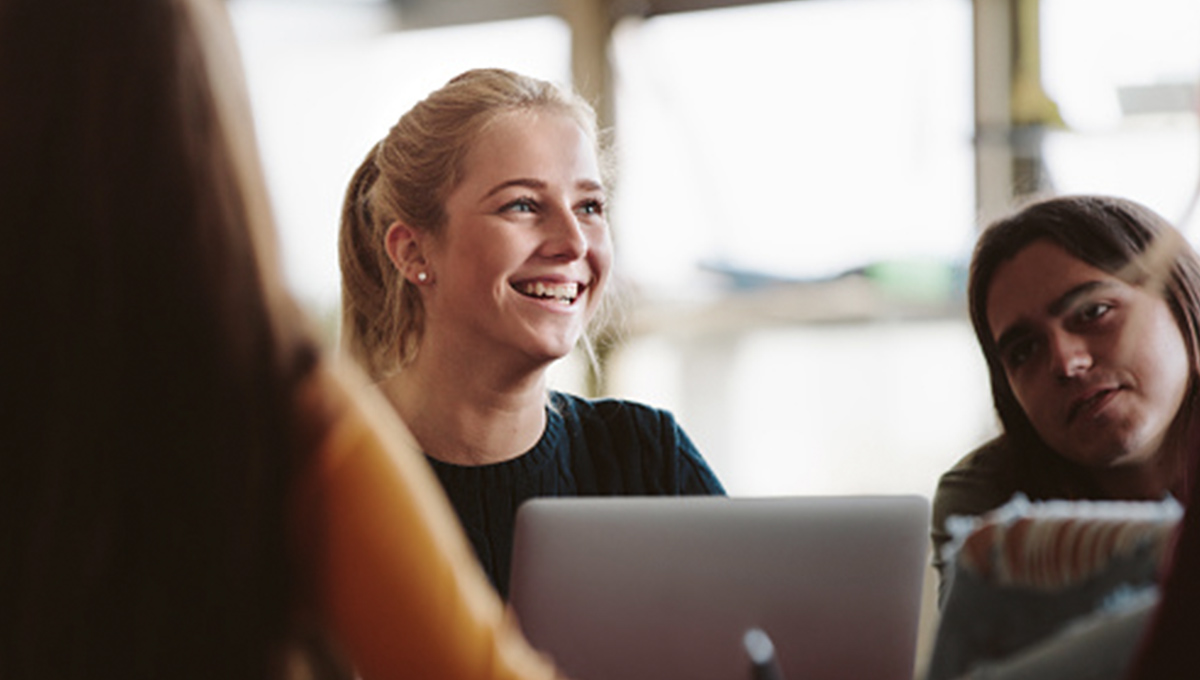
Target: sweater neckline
x=539 y=455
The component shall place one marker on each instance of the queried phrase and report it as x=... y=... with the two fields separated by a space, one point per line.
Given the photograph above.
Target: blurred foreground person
x=190 y=489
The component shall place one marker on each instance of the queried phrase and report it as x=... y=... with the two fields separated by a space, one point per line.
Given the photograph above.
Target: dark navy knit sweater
x=605 y=447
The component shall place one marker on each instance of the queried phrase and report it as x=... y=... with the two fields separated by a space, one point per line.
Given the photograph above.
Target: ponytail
x=373 y=308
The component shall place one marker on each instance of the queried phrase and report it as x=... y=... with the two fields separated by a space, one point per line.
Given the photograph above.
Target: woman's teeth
x=563 y=292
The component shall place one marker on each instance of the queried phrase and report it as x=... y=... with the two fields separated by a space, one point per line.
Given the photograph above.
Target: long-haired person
x=189 y=489
x=475 y=250
x=1087 y=309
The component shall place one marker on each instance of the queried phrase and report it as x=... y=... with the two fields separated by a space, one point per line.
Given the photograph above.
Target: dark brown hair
x=1107 y=233
x=150 y=356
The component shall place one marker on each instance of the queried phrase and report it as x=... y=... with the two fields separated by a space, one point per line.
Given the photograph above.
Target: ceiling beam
x=416 y=14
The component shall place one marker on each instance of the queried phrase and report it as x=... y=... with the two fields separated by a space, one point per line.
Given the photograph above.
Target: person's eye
x=1018 y=354
x=1093 y=311
x=523 y=204
x=591 y=207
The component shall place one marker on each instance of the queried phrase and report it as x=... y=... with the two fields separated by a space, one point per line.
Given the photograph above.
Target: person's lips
x=1091 y=402
x=562 y=292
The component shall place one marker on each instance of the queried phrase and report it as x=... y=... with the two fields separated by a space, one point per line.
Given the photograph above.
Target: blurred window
x=796 y=138
x=1124 y=79
x=328 y=79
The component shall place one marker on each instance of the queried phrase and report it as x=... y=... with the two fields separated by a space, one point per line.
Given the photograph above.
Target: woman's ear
x=404 y=249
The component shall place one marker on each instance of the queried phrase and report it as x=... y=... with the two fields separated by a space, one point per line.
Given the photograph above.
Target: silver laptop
x=637 y=588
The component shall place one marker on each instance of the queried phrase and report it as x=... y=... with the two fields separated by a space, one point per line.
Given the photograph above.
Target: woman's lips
x=1091 y=404
x=564 y=292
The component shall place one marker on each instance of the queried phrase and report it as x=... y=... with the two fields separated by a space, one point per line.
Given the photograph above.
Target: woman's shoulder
x=1007 y=465
x=981 y=480
x=606 y=407
x=996 y=456
x=643 y=436
x=628 y=427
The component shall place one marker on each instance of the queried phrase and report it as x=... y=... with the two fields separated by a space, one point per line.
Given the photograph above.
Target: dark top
x=989 y=476
x=605 y=447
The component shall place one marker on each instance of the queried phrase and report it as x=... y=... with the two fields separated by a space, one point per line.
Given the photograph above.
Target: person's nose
x=565 y=238
x=1070 y=355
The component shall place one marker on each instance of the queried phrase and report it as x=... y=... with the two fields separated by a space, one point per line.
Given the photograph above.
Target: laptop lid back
x=648 y=588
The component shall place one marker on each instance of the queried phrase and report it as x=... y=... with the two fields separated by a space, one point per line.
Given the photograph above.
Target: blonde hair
x=407 y=177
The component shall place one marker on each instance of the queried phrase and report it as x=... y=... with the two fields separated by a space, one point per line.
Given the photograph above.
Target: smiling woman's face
x=1099 y=366
x=526 y=251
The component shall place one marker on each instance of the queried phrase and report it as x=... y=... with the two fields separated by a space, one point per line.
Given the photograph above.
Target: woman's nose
x=1070 y=355
x=564 y=235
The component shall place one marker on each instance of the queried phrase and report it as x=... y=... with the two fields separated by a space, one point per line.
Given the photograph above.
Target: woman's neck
x=1158 y=475
x=1149 y=481
x=466 y=416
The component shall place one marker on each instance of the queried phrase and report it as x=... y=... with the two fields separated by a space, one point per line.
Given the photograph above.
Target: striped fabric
x=1048 y=546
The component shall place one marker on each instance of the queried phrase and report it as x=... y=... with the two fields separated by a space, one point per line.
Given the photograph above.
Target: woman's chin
x=549 y=351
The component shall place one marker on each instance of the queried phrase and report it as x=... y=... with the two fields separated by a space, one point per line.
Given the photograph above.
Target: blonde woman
x=190 y=490
x=474 y=251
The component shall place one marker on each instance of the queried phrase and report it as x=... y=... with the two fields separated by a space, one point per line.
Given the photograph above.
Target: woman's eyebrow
x=526 y=182
x=530 y=183
x=1069 y=298
x=1057 y=307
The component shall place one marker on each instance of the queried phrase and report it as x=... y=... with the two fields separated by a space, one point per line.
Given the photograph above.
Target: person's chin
x=1107 y=453
x=549 y=351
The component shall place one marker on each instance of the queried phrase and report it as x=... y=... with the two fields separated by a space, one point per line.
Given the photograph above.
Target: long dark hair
x=1107 y=233
x=150 y=355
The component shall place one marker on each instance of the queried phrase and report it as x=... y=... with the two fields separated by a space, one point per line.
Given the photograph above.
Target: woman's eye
x=591 y=207
x=520 y=205
x=1018 y=353
x=1094 y=311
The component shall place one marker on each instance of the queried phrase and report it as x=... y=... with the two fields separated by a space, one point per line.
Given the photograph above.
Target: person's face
x=526 y=251
x=1099 y=366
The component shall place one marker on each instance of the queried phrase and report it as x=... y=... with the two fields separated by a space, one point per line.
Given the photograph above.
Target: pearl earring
x=422 y=276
